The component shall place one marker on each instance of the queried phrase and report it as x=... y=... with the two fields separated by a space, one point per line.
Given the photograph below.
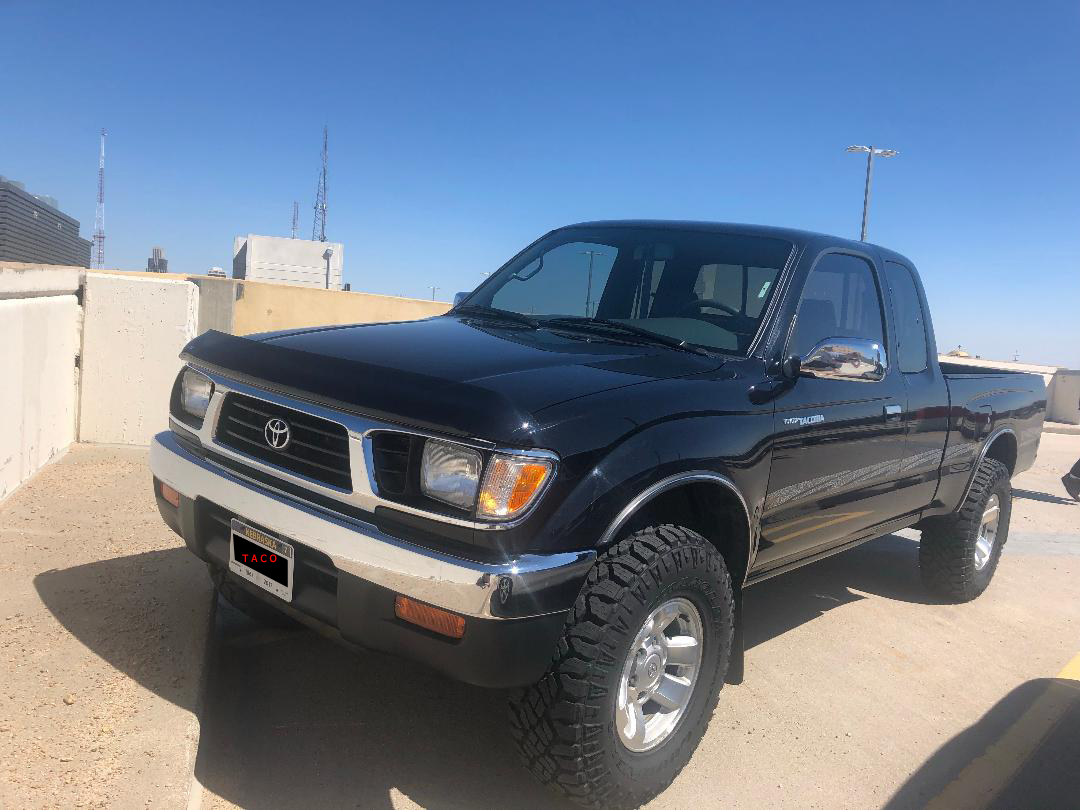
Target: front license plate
x=262 y=559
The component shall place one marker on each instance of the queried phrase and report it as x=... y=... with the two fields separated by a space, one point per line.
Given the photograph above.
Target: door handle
x=892 y=413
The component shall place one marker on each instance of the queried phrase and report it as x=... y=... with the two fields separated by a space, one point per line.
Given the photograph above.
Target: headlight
x=511 y=484
x=195 y=391
x=450 y=473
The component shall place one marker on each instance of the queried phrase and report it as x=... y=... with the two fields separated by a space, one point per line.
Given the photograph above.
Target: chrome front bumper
x=523 y=586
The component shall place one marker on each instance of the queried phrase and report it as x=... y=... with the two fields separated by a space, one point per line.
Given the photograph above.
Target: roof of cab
x=795 y=235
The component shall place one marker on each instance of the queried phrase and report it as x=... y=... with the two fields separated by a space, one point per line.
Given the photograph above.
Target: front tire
x=959 y=553
x=636 y=675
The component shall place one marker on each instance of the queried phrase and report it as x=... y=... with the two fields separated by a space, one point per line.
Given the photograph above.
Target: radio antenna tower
x=295 y=217
x=318 y=227
x=99 y=216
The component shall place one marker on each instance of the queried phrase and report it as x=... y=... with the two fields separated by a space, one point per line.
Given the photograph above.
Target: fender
x=671 y=482
x=993 y=437
x=720 y=449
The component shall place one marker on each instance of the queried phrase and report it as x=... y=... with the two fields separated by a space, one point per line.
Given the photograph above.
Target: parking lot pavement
x=860 y=692
x=103 y=626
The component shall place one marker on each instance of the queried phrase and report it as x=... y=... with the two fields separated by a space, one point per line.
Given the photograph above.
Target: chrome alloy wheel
x=659 y=675
x=988 y=529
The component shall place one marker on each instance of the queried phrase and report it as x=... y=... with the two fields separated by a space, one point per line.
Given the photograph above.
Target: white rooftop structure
x=289 y=261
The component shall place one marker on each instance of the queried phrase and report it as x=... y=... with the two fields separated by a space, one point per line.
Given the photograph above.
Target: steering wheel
x=709 y=303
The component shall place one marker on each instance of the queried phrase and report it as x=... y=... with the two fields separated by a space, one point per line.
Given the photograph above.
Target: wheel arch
x=707 y=502
x=1001 y=445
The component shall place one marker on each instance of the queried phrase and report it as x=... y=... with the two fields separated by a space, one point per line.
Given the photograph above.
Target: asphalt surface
x=861 y=691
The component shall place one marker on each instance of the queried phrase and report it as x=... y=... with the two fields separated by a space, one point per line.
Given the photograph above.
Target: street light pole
x=866 y=191
x=870 y=153
x=327 y=254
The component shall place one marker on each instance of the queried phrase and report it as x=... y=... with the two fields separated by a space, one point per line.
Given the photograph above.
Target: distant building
x=289 y=261
x=32 y=229
x=216 y=272
x=157 y=263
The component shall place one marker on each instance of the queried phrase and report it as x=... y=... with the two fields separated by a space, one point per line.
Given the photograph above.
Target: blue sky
x=461 y=131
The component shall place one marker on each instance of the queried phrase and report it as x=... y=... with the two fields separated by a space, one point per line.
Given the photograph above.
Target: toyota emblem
x=277 y=433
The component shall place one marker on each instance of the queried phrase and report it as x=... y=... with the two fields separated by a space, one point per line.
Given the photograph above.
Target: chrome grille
x=317 y=449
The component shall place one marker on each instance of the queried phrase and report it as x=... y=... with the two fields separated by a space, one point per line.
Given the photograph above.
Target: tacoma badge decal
x=804 y=420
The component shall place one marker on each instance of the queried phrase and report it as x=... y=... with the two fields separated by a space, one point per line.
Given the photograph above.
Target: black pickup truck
x=564 y=485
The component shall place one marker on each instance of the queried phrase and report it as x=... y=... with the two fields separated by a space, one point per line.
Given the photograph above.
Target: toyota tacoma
x=564 y=485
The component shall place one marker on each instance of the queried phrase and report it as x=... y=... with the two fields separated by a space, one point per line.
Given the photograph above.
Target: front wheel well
x=712 y=510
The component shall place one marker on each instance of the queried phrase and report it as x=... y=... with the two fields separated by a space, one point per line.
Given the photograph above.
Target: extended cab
x=565 y=484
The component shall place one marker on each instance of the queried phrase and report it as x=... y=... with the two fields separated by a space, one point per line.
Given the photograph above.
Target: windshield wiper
x=492 y=313
x=629 y=329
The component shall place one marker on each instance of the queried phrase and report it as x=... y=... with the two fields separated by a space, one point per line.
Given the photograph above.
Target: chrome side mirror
x=844 y=358
x=459 y=297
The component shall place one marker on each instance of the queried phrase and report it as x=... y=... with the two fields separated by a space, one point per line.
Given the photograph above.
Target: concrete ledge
x=21 y=280
x=1061 y=427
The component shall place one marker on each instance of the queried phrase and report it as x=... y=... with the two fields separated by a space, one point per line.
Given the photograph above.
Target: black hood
x=449 y=373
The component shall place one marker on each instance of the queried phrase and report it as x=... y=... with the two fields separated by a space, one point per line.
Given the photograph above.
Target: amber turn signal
x=510 y=485
x=170 y=494
x=430 y=618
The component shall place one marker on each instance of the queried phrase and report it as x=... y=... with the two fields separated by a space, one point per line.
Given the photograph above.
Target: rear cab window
x=910 y=318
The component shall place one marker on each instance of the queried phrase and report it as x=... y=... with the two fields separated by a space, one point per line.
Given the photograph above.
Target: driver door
x=839 y=441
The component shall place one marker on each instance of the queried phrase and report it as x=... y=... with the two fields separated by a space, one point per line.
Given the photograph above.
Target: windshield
x=707 y=289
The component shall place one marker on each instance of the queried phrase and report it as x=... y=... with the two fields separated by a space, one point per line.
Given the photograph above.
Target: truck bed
x=985 y=403
x=972 y=370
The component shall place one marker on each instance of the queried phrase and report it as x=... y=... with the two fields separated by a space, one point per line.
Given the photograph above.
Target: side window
x=840 y=299
x=910 y=319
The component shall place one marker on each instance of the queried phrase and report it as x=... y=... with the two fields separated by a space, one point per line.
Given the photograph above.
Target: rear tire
x=574 y=728
x=959 y=553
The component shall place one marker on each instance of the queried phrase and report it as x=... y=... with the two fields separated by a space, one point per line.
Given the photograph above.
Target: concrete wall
x=288 y=261
x=217 y=297
x=39 y=342
x=133 y=332
x=266 y=307
x=243 y=307
x=1063 y=398
x=127 y=335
